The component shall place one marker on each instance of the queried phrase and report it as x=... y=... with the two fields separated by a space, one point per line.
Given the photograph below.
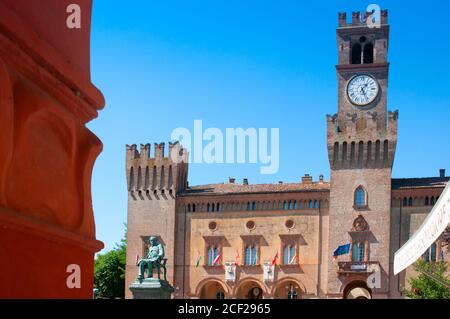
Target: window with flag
x=360 y=197
x=251 y=255
x=358 y=252
x=213 y=255
x=289 y=255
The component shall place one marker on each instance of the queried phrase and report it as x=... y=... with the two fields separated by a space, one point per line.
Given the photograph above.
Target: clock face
x=362 y=89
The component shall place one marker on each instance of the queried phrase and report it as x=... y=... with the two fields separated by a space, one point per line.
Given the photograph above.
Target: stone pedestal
x=151 y=288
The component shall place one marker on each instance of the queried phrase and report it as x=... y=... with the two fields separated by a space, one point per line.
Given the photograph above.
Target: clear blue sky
x=164 y=64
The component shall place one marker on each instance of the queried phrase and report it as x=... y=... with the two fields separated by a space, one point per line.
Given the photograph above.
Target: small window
x=251 y=256
x=289 y=255
x=360 y=197
x=358 y=252
x=432 y=254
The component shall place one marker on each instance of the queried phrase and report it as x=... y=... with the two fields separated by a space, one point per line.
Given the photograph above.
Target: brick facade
x=312 y=218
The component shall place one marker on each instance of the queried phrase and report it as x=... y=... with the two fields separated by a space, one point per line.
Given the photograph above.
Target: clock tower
x=361 y=140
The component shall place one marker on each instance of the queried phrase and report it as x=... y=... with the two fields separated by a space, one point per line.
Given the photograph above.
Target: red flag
x=236 y=262
x=137 y=259
x=274 y=260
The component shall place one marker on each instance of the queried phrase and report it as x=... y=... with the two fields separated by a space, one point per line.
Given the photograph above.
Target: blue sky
x=263 y=64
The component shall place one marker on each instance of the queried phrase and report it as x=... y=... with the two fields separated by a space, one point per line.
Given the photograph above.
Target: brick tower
x=153 y=182
x=361 y=140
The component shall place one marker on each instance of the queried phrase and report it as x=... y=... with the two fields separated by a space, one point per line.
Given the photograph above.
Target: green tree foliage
x=431 y=283
x=109 y=272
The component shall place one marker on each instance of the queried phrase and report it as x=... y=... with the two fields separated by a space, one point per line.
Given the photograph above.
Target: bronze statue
x=155 y=259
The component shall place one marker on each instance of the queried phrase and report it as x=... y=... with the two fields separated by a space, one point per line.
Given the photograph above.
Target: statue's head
x=153 y=240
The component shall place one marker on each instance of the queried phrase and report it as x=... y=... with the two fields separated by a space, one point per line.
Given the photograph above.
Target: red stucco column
x=47 y=154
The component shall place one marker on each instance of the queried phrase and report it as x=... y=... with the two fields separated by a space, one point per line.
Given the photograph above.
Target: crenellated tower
x=153 y=182
x=361 y=141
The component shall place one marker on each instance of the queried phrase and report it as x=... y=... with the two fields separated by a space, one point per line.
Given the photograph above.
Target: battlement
x=177 y=153
x=359 y=19
x=363 y=142
x=154 y=174
x=362 y=124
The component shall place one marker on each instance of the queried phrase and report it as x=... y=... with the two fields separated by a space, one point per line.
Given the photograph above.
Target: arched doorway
x=250 y=289
x=212 y=289
x=357 y=290
x=288 y=289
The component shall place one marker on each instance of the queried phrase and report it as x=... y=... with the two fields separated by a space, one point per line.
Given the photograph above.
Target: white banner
x=433 y=226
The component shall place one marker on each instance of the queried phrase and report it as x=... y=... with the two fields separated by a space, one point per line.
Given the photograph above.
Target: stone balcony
x=350 y=267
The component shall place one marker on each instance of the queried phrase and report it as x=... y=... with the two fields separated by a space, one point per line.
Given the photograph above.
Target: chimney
x=321 y=178
x=231 y=180
x=442 y=173
x=245 y=181
x=307 y=179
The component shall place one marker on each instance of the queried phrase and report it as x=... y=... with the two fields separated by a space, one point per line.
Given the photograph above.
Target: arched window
x=251 y=256
x=358 y=252
x=432 y=201
x=368 y=53
x=427 y=201
x=316 y=204
x=356 y=53
x=410 y=201
x=310 y=206
x=193 y=208
x=360 y=197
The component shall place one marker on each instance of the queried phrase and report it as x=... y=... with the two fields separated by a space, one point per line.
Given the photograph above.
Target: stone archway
x=357 y=290
x=288 y=288
x=250 y=289
x=212 y=289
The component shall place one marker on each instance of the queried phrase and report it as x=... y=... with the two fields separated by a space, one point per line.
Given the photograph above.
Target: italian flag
x=274 y=260
x=199 y=259
x=216 y=260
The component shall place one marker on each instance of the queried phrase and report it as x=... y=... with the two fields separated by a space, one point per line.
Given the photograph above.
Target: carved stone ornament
x=360 y=224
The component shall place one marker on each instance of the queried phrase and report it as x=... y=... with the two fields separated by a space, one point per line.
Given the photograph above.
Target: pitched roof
x=426 y=182
x=230 y=188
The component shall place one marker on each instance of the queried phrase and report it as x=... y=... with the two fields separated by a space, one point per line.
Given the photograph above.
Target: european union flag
x=342 y=250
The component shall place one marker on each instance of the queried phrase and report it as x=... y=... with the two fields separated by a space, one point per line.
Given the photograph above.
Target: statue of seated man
x=154 y=258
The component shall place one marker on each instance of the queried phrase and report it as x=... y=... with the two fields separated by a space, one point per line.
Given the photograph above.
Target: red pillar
x=46 y=152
